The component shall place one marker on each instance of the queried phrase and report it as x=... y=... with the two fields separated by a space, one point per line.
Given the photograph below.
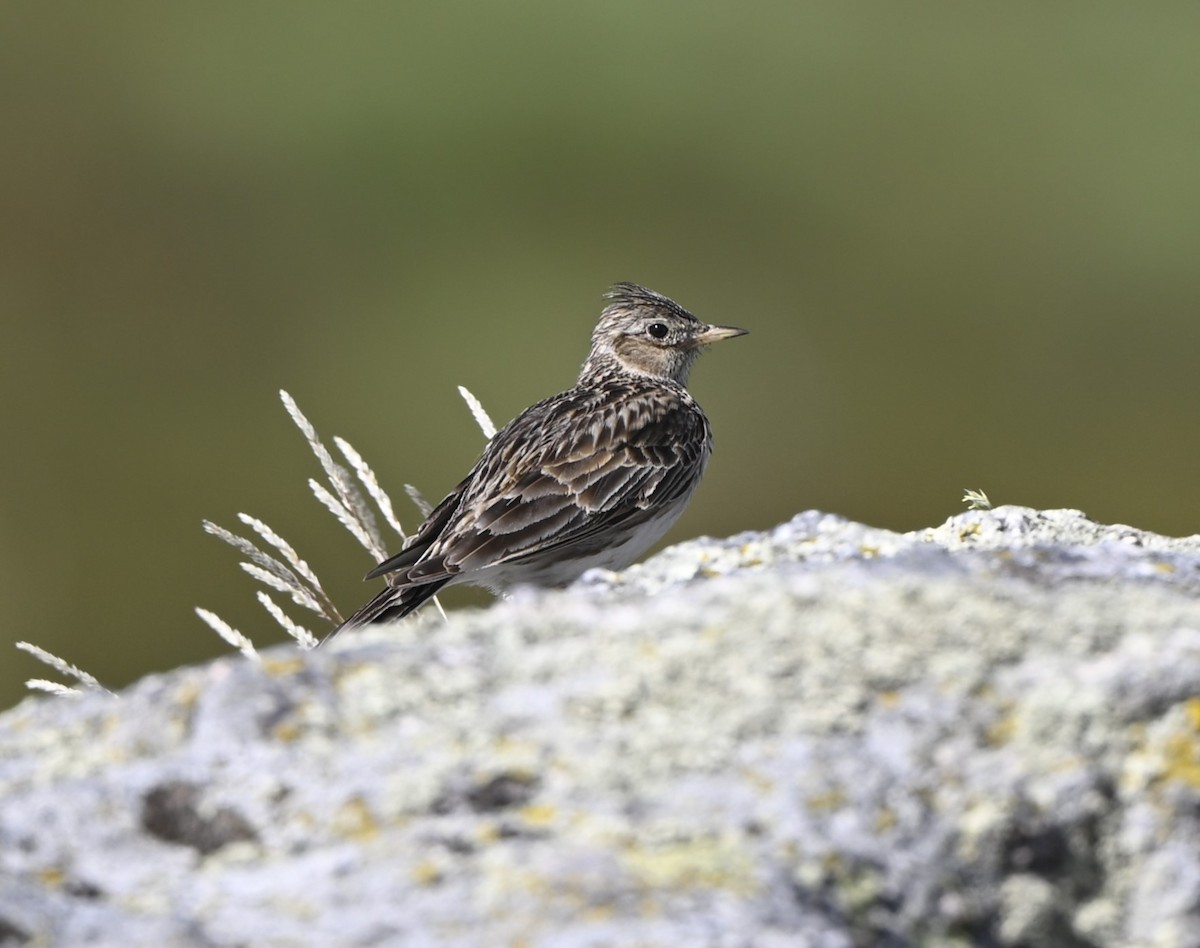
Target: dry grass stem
x=418 y=498
x=347 y=519
x=976 y=500
x=52 y=687
x=481 y=417
x=367 y=476
x=289 y=554
x=274 y=573
x=228 y=633
x=63 y=667
x=287 y=573
x=339 y=478
x=305 y=639
x=250 y=551
x=300 y=596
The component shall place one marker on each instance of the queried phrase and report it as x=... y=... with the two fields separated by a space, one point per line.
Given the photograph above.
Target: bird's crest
x=629 y=296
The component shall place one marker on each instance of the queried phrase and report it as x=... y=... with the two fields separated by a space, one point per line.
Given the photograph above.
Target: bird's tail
x=394 y=602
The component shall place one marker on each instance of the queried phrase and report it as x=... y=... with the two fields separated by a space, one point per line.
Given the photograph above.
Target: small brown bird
x=590 y=477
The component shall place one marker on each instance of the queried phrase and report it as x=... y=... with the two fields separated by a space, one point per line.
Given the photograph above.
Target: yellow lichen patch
x=859 y=888
x=888 y=699
x=188 y=693
x=751 y=554
x=885 y=820
x=1002 y=730
x=286 y=731
x=538 y=814
x=596 y=914
x=832 y=864
x=281 y=667
x=1181 y=750
x=1165 y=567
x=707 y=862
x=1165 y=752
x=868 y=551
x=1191 y=708
x=426 y=873
x=829 y=800
x=52 y=876
x=354 y=820
x=349 y=676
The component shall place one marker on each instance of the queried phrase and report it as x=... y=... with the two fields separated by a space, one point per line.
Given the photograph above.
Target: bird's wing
x=418 y=544
x=568 y=472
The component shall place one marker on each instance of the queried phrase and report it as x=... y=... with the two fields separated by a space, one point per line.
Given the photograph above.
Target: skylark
x=590 y=477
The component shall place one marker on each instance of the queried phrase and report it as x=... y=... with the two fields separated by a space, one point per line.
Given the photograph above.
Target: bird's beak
x=713 y=334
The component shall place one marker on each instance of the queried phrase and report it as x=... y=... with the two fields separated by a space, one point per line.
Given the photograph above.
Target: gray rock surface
x=987 y=733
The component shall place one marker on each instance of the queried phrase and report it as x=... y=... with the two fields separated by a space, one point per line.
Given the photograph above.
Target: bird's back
x=596 y=466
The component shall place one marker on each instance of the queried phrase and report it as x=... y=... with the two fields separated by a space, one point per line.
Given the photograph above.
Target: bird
x=591 y=477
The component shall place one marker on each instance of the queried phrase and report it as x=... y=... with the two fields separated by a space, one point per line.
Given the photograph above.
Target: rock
x=826 y=734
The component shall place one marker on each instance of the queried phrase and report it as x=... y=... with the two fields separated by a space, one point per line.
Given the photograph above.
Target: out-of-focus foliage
x=963 y=236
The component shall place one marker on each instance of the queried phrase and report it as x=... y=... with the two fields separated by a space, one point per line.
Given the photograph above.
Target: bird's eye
x=658 y=330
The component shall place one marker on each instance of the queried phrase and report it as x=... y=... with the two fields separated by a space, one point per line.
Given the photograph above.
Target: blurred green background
x=965 y=238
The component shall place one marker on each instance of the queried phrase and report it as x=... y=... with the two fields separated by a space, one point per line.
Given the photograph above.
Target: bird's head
x=641 y=332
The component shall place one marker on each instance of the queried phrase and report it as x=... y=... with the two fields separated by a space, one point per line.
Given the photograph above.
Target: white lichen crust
x=825 y=734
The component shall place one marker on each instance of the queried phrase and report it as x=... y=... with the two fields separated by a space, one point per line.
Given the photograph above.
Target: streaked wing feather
x=544 y=491
x=428 y=533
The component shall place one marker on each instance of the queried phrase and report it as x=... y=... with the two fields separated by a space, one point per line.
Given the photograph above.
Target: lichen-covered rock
x=826 y=734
